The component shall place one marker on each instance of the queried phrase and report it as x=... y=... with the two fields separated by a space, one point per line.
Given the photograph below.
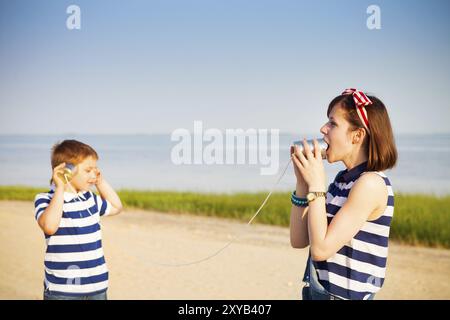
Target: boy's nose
x=323 y=129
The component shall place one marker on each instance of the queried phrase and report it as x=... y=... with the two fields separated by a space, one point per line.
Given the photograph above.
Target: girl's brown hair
x=380 y=143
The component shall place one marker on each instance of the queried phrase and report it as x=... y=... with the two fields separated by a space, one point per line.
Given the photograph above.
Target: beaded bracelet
x=299 y=202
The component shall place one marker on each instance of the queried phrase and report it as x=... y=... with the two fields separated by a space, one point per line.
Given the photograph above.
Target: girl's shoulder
x=373 y=178
x=377 y=176
x=375 y=183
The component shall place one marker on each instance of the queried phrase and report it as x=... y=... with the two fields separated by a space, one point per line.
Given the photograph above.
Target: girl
x=346 y=226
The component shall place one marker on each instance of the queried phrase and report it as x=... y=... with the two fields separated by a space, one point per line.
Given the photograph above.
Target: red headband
x=361 y=101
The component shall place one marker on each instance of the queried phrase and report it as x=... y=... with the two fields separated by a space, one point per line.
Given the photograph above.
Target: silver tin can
x=322 y=145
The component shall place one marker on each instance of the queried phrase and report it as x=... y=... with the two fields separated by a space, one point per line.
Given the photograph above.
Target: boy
x=69 y=214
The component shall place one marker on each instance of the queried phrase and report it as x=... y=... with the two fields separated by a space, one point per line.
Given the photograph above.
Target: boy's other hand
x=99 y=178
x=58 y=172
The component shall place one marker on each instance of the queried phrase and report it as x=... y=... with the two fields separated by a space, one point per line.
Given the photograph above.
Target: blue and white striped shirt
x=358 y=269
x=74 y=260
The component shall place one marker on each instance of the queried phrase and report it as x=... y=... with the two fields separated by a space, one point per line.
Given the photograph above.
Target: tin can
x=67 y=175
x=322 y=145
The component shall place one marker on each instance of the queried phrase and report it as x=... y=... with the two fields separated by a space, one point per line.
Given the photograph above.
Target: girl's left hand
x=311 y=166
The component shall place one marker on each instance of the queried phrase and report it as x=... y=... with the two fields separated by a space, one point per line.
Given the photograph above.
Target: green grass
x=422 y=220
x=418 y=219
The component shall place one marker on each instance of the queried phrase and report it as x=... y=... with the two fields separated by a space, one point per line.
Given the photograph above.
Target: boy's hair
x=380 y=143
x=71 y=151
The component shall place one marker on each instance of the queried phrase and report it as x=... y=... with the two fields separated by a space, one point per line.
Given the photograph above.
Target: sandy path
x=260 y=265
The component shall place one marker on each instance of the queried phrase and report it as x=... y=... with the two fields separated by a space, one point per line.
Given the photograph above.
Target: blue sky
x=154 y=66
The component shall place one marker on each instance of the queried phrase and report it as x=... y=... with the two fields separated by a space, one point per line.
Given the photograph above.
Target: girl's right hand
x=302 y=186
x=58 y=172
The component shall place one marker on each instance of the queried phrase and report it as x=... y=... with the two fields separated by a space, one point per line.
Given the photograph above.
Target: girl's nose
x=323 y=130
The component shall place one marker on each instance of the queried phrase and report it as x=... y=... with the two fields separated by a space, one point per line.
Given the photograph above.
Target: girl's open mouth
x=328 y=147
x=328 y=144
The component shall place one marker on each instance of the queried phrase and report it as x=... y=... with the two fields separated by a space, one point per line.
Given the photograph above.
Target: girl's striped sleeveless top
x=358 y=269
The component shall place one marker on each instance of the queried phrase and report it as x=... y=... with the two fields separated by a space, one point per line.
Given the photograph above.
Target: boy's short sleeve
x=41 y=201
x=104 y=206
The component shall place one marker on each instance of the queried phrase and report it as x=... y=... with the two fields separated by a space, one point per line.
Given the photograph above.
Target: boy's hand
x=58 y=173
x=108 y=193
x=99 y=178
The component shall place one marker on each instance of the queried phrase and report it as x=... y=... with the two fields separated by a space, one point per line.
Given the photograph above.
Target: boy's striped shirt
x=74 y=260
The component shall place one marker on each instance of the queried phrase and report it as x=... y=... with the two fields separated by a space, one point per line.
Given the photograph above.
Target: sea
x=146 y=162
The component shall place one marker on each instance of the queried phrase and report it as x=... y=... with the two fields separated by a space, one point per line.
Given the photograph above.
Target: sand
x=259 y=265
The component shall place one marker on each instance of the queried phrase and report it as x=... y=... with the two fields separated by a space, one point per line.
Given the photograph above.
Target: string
x=217 y=252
